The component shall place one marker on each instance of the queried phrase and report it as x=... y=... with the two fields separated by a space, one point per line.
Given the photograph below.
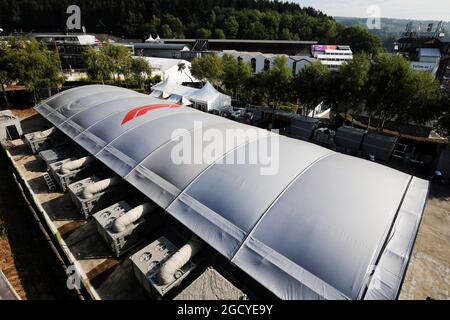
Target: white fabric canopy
x=169 y=87
x=209 y=96
x=326 y=226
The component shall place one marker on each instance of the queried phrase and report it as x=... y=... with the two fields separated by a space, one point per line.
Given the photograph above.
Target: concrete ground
x=428 y=274
x=24 y=252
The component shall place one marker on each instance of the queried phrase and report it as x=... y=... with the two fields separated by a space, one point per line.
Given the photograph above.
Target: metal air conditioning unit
x=54 y=155
x=10 y=127
x=161 y=266
x=67 y=171
x=123 y=227
x=92 y=194
x=43 y=140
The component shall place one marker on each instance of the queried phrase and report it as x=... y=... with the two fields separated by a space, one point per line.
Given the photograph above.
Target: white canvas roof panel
x=169 y=87
x=211 y=97
x=332 y=217
x=325 y=226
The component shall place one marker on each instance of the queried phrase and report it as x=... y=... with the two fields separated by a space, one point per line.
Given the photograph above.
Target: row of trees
x=112 y=62
x=25 y=61
x=231 y=19
x=384 y=87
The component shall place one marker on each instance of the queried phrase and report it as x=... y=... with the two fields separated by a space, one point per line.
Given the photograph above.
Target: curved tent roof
x=326 y=226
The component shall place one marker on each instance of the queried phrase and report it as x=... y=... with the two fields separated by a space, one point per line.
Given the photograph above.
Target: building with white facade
x=160 y=49
x=428 y=60
x=70 y=48
x=333 y=56
x=264 y=61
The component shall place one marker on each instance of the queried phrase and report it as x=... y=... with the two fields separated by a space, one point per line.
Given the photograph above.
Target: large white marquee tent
x=205 y=99
x=326 y=226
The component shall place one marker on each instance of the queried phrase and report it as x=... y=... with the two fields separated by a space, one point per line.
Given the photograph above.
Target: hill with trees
x=391 y=29
x=231 y=19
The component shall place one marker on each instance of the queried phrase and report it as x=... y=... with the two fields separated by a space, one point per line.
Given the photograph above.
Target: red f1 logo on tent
x=140 y=111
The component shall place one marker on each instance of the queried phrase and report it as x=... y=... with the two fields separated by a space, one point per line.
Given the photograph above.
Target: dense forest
x=250 y=19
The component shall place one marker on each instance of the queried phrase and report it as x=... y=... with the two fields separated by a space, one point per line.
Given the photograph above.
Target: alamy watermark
x=374 y=18
x=249 y=146
x=74 y=20
x=74 y=279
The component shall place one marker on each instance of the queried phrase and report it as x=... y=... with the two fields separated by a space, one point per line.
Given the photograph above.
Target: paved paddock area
x=104 y=276
x=428 y=274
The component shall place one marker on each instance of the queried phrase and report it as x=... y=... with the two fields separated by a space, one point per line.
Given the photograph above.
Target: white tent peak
x=166 y=86
x=169 y=87
x=150 y=39
x=208 y=87
x=205 y=93
x=209 y=96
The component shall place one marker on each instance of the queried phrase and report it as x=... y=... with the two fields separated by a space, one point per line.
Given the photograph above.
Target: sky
x=402 y=9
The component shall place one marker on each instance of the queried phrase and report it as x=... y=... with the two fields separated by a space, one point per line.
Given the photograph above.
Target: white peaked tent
x=206 y=98
x=169 y=89
x=209 y=97
x=150 y=39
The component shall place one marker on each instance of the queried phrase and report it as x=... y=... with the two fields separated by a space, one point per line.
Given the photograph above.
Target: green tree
x=33 y=65
x=219 y=34
x=182 y=69
x=388 y=87
x=111 y=61
x=444 y=118
x=119 y=59
x=346 y=89
x=285 y=34
x=51 y=73
x=140 y=71
x=271 y=23
x=203 y=33
x=257 y=30
x=208 y=67
x=426 y=99
x=6 y=74
x=360 y=40
x=175 y=24
x=4 y=82
x=151 y=27
x=443 y=121
x=277 y=81
x=236 y=74
x=166 y=31
x=176 y=18
x=231 y=27
x=325 y=30
x=311 y=86
x=211 y=21
x=97 y=64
